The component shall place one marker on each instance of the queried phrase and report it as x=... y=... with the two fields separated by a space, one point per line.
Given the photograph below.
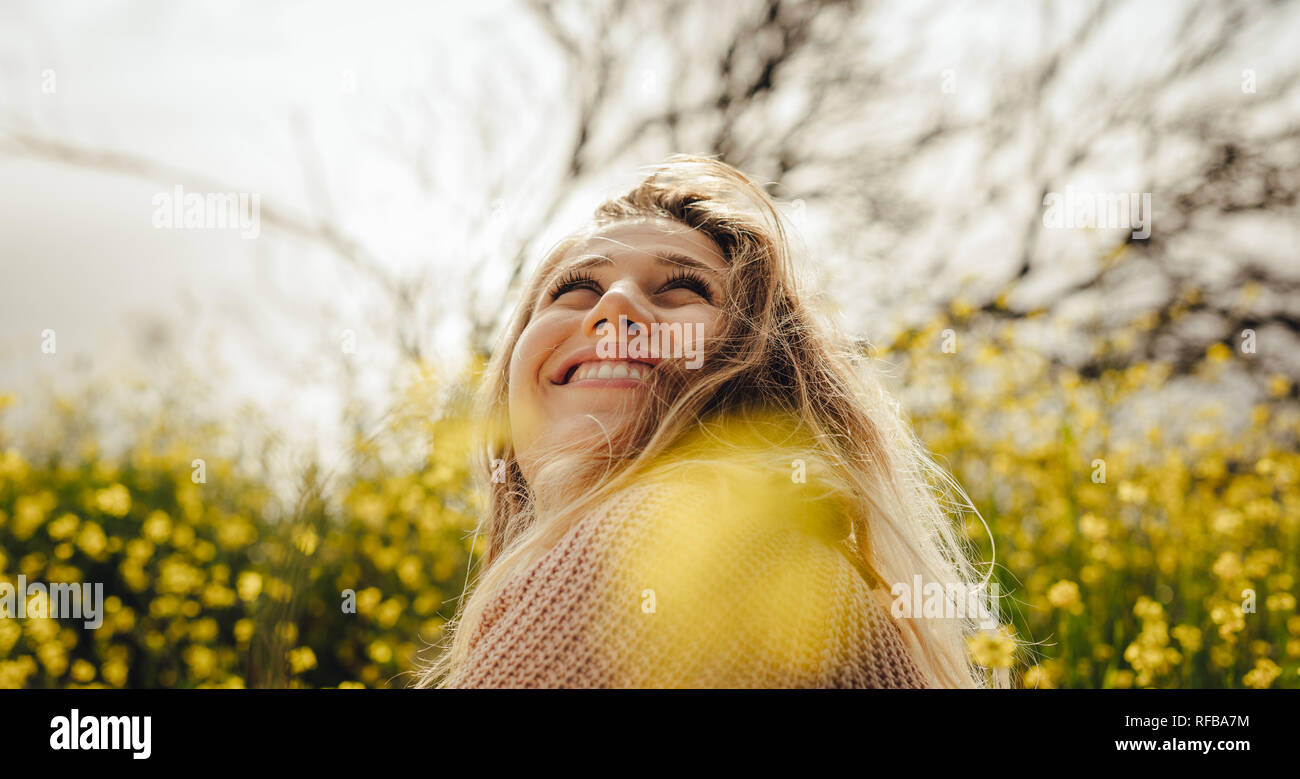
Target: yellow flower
x=204 y=551
x=306 y=540
x=371 y=510
x=368 y=599
x=1093 y=527
x=1227 y=567
x=92 y=540
x=992 y=649
x=1065 y=595
x=410 y=571
x=176 y=575
x=30 y=512
x=82 y=671
x=1262 y=675
x=12 y=466
x=288 y=632
x=14 y=673
x=249 y=585
x=53 y=656
x=204 y=630
x=115 y=672
x=236 y=532
x=277 y=588
x=1280 y=601
x=1230 y=619
x=164 y=606
x=114 y=501
x=301 y=659
x=182 y=536
x=139 y=550
x=1189 y=637
x=1279 y=386
x=216 y=596
x=432 y=628
x=134 y=575
x=158 y=527
x=9 y=635
x=63 y=527
x=380 y=651
x=201 y=660
x=388 y=613
x=1148 y=609
x=1130 y=492
x=1037 y=678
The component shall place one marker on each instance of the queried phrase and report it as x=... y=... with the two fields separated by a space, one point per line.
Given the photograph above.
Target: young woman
x=692 y=483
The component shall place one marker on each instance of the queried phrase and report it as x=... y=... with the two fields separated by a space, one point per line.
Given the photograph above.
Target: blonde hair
x=773 y=356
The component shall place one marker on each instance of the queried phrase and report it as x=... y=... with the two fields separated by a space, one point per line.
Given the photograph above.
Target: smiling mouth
x=610 y=373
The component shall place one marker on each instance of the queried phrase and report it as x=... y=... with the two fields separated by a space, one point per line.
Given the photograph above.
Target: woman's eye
x=562 y=291
x=689 y=283
x=575 y=283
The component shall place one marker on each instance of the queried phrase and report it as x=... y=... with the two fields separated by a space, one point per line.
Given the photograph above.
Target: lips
x=585 y=367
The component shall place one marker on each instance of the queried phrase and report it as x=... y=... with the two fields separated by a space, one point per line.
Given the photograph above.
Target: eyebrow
x=662 y=258
x=673 y=258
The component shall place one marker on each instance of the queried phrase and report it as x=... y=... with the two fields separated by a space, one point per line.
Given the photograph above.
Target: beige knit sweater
x=706 y=575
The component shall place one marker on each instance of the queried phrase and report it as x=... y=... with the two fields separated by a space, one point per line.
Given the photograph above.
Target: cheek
x=712 y=323
x=524 y=364
x=707 y=325
x=537 y=342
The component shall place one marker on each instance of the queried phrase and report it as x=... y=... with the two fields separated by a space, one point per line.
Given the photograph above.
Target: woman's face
x=575 y=372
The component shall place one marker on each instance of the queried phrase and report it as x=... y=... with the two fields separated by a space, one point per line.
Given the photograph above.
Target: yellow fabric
x=709 y=573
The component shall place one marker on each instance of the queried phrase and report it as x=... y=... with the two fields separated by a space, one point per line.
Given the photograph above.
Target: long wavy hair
x=774 y=355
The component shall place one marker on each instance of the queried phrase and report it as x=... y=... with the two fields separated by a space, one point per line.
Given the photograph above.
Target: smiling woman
x=735 y=520
x=651 y=272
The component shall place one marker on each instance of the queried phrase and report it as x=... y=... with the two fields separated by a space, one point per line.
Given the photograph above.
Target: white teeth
x=610 y=369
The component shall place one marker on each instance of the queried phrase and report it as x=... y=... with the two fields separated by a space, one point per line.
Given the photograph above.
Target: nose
x=619 y=300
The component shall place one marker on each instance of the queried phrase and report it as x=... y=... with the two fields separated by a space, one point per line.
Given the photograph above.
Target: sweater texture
x=705 y=575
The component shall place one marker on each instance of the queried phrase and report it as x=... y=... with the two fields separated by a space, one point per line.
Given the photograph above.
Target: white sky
x=214 y=90
x=446 y=95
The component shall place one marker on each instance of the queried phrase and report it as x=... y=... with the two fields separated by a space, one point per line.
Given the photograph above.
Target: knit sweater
x=718 y=576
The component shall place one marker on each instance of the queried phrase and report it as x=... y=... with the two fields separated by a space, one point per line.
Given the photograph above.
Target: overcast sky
x=320 y=110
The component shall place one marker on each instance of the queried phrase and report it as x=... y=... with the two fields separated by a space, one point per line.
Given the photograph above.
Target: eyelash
x=684 y=279
x=574 y=280
x=690 y=280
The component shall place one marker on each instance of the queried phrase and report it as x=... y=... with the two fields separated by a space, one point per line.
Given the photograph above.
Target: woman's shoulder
x=729 y=574
x=706 y=570
x=729 y=481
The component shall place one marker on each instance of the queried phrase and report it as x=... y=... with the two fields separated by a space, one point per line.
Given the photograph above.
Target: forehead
x=647 y=239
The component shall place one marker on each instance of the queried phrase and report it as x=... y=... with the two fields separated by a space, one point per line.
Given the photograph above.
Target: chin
x=596 y=428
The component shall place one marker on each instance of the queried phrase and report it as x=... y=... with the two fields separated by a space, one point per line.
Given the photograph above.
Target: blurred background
x=233 y=429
